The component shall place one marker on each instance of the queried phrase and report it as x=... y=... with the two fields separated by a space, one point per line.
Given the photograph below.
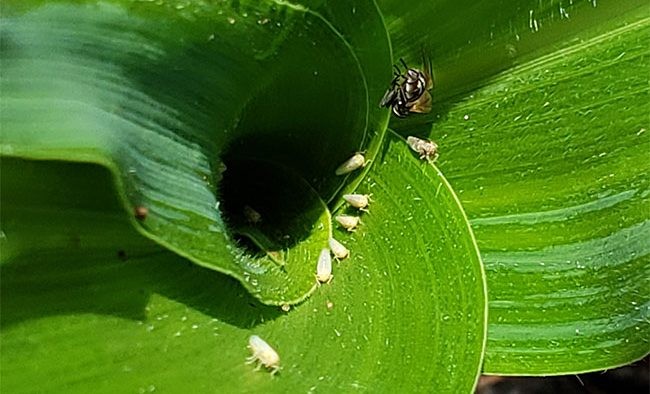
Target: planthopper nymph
x=348 y=222
x=359 y=201
x=338 y=249
x=251 y=215
x=428 y=150
x=264 y=354
x=324 y=267
x=355 y=162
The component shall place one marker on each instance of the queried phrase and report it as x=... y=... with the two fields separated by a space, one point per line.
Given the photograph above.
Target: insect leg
x=397 y=72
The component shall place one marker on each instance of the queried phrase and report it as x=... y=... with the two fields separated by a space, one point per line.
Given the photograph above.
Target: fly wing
x=388 y=98
x=423 y=104
x=391 y=93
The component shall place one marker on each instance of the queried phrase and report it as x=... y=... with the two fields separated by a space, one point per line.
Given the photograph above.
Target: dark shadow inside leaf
x=67 y=264
x=268 y=203
x=39 y=286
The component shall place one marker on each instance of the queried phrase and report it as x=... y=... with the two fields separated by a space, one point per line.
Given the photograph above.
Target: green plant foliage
x=561 y=214
x=196 y=112
x=550 y=162
x=108 y=309
x=201 y=111
x=162 y=94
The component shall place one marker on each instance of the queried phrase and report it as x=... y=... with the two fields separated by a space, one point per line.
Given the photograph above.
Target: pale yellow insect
x=324 y=267
x=264 y=354
x=348 y=222
x=359 y=201
x=428 y=150
x=337 y=248
x=353 y=163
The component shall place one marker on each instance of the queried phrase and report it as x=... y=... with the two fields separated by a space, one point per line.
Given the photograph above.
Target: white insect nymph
x=324 y=267
x=355 y=162
x=428 y=150
x=348 y=222
x=264 y=354
x=359 y=201
x=337 y=248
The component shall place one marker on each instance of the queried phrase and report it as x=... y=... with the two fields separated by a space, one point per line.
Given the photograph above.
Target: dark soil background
x=630 y=379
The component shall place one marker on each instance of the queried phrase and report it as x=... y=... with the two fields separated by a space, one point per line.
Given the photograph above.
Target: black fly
x=409 y=90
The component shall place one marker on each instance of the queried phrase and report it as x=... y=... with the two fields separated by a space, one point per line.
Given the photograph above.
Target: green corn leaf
x=106 y=309
x=174 y=98
x=550 y=161
x=199 y=112
x=141 y=134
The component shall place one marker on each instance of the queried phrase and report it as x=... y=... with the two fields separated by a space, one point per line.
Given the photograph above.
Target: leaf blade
x=101 y=317
x=559 y=212
x=162 y=108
